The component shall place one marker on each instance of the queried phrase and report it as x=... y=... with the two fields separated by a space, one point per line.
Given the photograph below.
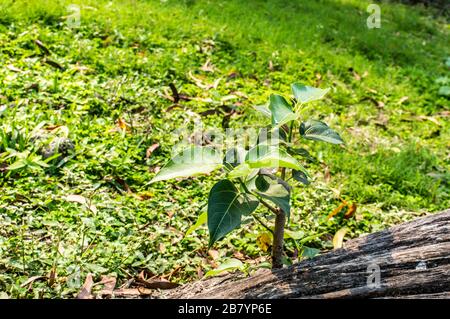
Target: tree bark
x=278 y=240
x=411 y=260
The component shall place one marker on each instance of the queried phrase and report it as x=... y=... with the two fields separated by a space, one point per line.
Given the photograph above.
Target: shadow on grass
x=330 y=25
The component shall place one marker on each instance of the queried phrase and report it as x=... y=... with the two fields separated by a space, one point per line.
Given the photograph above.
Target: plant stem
x=278 y=240
x=289 y=139
x=280 y=221
x=268 y=206
x=262 y=223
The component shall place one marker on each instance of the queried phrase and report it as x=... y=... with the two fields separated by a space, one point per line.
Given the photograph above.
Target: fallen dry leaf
x=214 y=254
x=207 y=67
x=122 y=124
x=42 y=47
x=155 y=282
x=150 y=150
x=202 y=85
x=52 y=127
x=85 y=292
x=131 y=292
x=428 y=118
x=351 y=210
x=52 y=276
x=200 y=272
x=154 y=169
x=81 y=200
x=264 y=241
x=337 y=210
x=239 y=255
x=327 y=174
x=13 y=68
x=403 y=99
x=240 y=94
x=232 y=75
x=109 y=283
x=338 y=238
x=30 y=280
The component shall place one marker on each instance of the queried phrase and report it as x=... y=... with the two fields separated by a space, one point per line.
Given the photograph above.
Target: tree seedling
x=257 y=174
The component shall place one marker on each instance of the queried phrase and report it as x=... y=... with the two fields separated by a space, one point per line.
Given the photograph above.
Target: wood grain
x=413 y=261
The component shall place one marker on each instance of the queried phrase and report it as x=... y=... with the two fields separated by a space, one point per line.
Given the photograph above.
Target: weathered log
x=411 y=260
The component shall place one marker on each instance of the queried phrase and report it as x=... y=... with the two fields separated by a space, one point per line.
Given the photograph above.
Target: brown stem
x=280 y=221
x=278 y=235
x=278 y=240
x=283 y=173
x=262 y=223
x=268 y=206
x=175 y=94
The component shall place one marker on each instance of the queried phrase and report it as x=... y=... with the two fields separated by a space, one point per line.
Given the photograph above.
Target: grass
x=109 y=100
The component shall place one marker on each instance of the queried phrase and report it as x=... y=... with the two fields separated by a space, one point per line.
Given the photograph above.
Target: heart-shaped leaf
x=281 y=110
x=305 y=94
x=226 y=205
x=319 y=131
x=263 y=155
x=300 y=176
x=192 y=161
x=264 y=109
x=274 y=189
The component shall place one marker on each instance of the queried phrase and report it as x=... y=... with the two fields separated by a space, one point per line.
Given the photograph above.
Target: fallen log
x=411 y=260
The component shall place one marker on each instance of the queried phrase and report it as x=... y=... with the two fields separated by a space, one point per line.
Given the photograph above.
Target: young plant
x=257 y=175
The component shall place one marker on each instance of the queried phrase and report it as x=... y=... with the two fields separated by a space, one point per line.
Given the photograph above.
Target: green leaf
x=264 y=156
x=227 y=265
x=300 y=176
x=305 y=94
x=264 y=109
x=261 y=183
x=242 y=170
x=17 y=165
x=444 y=90
x=225 y=208
x=296 y=235
x=303 y=153
x=309 y=252
x=319 y=131
x=202 y=218
x=192 y=161
x=271 y=136
x=274 y=189
x=281 y=110
x=234 y=157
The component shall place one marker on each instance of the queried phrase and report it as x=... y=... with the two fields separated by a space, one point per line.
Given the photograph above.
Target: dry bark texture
x=413 y=261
